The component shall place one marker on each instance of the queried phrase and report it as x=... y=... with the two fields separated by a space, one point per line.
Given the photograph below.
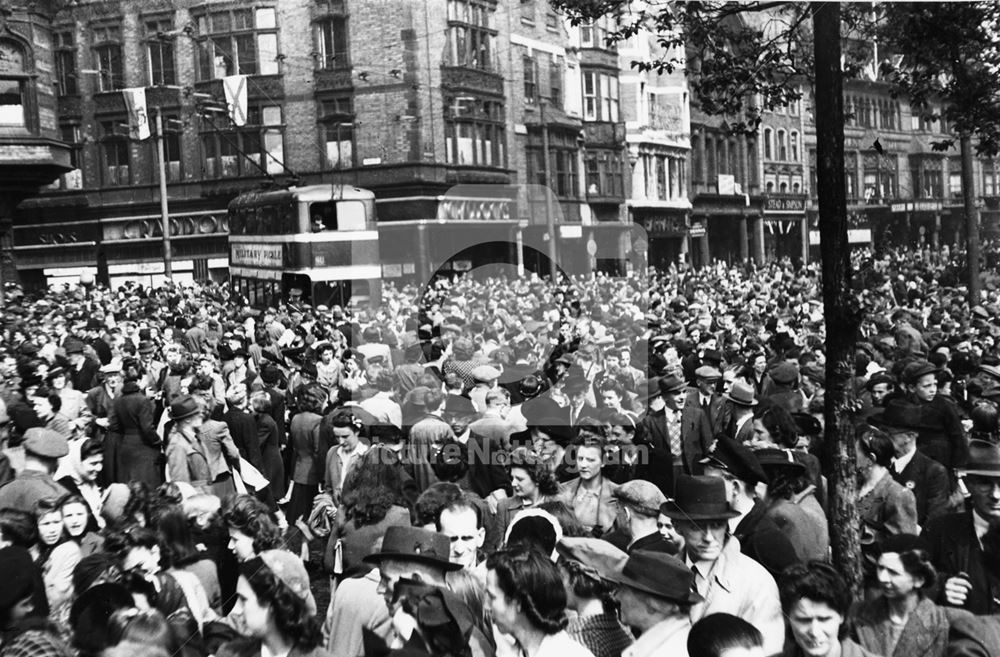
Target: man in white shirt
x=656 y=593
x=729 y=581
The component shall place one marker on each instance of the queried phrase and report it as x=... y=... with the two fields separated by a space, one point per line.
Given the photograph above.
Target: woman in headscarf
x=79 y=473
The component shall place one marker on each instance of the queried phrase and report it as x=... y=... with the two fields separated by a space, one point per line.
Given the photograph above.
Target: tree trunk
x=840 y=310
x=971 y=221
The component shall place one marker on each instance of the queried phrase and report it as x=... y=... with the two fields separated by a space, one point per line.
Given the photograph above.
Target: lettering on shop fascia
x=778 y=204
x=474 y=210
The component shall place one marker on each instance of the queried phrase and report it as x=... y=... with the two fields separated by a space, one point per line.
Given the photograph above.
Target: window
x=528 y=11
x=13 y=102
x=530 y=79
x=769 y=183
x=661 y=177
x=171 y=150
x=246 y=151
x=600 y=96
x=782 y=145
x=955 y=178
x=794 y=141
x=595 y=35
x=768 y=144
x=605 y=174
x=556 y=83
x=654 y=110
x=108 y=56
x=879 y=178
x=796 y=184
x=115 y=153
x=70 y=133
x=697 y=158
x=794 y=106
x=563 y=163
x=474 y=132
x=238 y=42
x=160 y=53
x=331 y=42
x=470 y=35
x=337 y=120
x=991 y=183
x=65 y=56
x=551 y=19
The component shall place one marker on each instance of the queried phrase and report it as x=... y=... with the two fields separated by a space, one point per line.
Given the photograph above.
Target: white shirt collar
x=981 y=525
x=903 y=461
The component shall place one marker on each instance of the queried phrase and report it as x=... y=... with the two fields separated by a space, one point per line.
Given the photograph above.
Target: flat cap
x=485 y=373
x=645 y=497
x=45 y=442
x=708 y=373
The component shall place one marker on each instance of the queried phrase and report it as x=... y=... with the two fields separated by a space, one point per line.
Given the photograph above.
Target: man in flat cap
x=637 y=528
x=704 y=395
x=42 y=450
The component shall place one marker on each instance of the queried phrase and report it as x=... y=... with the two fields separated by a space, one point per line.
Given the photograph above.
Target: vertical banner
x=236 y=98
x=138 y=121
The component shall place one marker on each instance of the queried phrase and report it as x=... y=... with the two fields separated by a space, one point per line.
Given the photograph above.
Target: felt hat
x=671 y=384
x=741 y=394
x=699 y=498
x=660 y=575
x=899 y=415
x=415 y=544
x=184 y=407
x=772 y=457
x=983 y=460
x=737 y=460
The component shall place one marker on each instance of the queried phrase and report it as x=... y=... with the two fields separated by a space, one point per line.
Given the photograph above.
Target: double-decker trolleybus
x=316 y=243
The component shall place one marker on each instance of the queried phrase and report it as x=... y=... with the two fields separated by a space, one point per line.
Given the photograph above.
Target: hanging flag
x=236 y=98
x=138 y=121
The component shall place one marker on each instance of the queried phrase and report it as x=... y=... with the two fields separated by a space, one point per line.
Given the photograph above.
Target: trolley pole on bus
x=164 y=211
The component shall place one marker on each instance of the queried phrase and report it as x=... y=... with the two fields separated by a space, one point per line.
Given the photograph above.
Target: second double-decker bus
x=315 y=243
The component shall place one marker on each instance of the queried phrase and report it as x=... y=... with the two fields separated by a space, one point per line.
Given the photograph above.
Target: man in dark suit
x=651 y=436
x=925 y=477
x=963 y=546
x=578 y=389
x=741 y=400
x=704 y=395
x=741 y=471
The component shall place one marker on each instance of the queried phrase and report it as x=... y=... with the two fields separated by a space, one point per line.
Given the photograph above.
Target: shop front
x=667 y=233
x=786 y=232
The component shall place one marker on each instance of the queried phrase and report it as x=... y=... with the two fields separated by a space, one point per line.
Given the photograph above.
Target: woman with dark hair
x=252 y=527
x=724 y=635
x=372 y=500
x=47 y=403
x=149 y=629
x=532 y=482
x=585 y=564
x=22 y=630
x=307 y=454
x=528 y=601
x=754 y=373
x=985 y=416
x=181 y=556
x=76 y=515
x=791 y=510
x=816 y=602
x=133 y=451
x=278 y=609
x=775 y=428
x=902 y=621
x=270 y=447
x=886 y=507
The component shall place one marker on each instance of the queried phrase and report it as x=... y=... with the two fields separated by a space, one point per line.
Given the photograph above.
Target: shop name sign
x=784 y=204
x=452 y=209
x=256 y=255
x=664 y=225
x=917 y=206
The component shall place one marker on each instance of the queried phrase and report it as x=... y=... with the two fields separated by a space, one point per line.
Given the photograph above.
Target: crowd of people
x=609 y=466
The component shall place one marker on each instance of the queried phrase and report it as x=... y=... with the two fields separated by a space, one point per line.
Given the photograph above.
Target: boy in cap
x=42 y=450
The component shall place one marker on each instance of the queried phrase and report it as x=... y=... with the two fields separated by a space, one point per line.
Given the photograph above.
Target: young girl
x=76 y=518
x=56 y=556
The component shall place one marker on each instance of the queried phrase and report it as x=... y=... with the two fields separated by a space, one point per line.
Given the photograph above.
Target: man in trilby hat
x=728 y=580
x=962 y=544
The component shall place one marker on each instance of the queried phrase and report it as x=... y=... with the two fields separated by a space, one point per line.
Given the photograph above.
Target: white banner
x=138 y=120
x=235 y=87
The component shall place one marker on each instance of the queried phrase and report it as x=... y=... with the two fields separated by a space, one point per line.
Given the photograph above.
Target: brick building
x=409 y=99
x=31 y=153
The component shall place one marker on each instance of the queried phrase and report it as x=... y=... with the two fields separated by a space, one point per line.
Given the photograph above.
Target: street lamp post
x=550 y=220
x=164 y=211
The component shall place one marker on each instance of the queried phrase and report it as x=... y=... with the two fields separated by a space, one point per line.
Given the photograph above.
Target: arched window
x=782 y=145
x=795 y=146
x=14 y=85
x=768 y=144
